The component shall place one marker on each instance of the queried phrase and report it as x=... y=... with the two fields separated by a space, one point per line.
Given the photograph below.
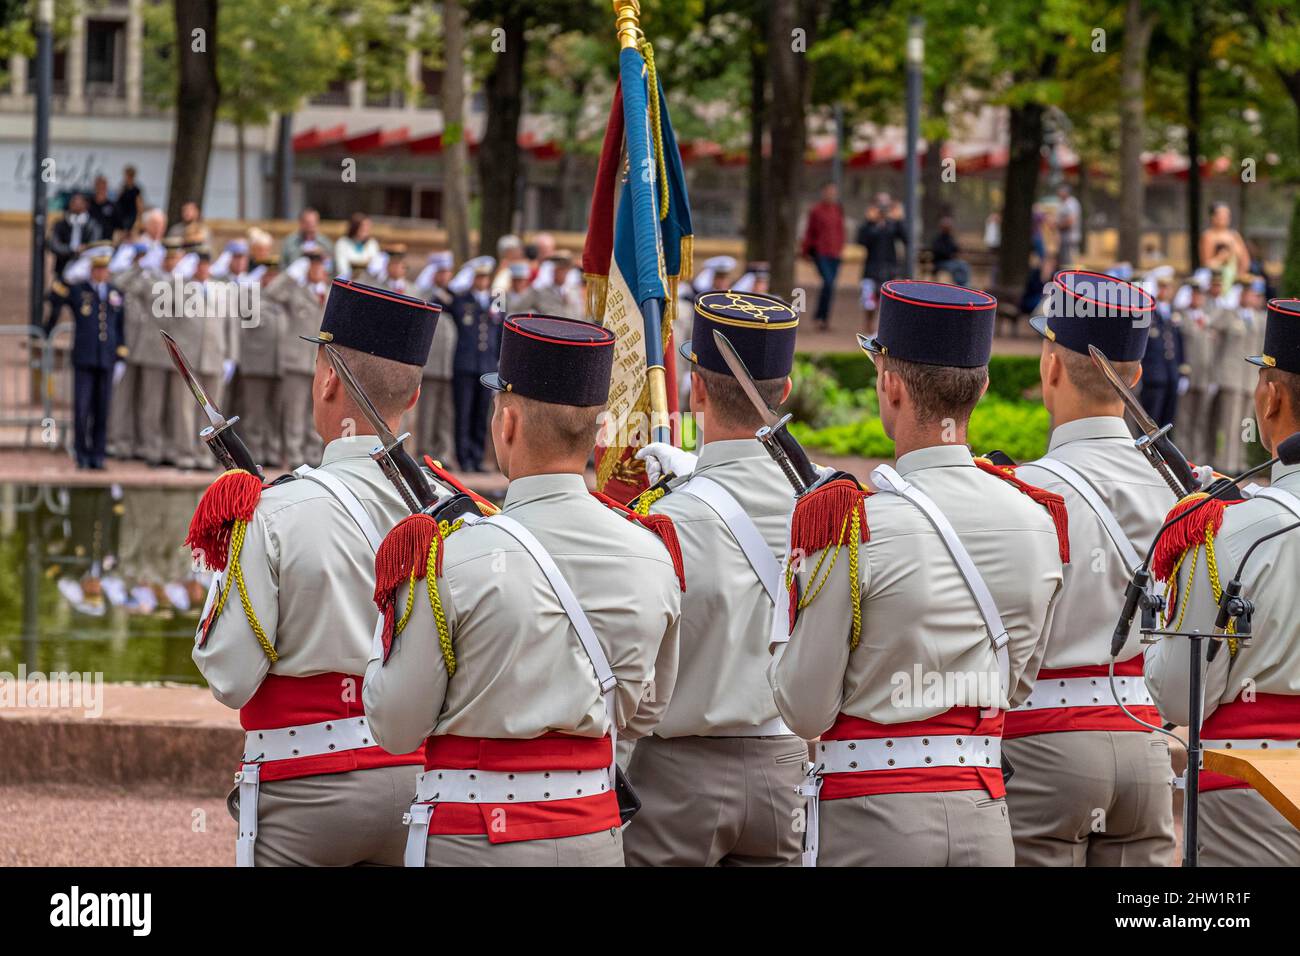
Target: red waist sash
x=1267 y=717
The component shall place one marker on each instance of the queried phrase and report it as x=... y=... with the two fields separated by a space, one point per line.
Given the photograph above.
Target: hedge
x=1012 y=377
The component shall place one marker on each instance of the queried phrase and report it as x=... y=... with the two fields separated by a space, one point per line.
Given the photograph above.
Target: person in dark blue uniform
x=98 y=343
x=478 y=343
x=1163 y=366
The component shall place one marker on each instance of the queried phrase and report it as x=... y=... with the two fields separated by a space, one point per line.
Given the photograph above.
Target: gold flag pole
x=627 y=20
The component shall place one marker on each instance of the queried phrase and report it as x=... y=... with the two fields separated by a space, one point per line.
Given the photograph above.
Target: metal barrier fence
x=36 y=386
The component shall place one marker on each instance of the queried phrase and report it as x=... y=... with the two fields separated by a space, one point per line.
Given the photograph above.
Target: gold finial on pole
x=627 y=20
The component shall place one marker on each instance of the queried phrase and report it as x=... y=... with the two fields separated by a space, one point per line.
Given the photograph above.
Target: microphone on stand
x=1288 y=453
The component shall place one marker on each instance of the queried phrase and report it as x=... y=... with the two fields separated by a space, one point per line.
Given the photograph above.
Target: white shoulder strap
x=1280 y=495
x=742 y=528
x=344 y=496
x=886 y=479
x=569 y=601
x=1084 y=489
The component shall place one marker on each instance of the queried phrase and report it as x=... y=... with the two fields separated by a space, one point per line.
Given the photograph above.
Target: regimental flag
x=633 y=260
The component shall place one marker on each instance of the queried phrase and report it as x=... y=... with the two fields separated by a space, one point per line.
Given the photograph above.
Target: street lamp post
x=41 y=154
x=915 y=59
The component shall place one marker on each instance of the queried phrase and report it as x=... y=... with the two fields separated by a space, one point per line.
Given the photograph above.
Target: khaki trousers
x=1194 y=427
x=961 y=828
x=296 y=418
x=716 y=801
x=1091 y=798
x=337 y=819
x=122 y=442
x=1234 y=408
x=1241 y=828
x=153 y=413
x=435 y=420
x=184 y=448
x=602 y=848
x=259 y=417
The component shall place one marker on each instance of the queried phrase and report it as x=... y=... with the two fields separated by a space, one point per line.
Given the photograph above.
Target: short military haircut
x=728 y=403
x=390 y=385
x=939 y=392
x=1091 y=383
x=565 y=429
x=1289 y=383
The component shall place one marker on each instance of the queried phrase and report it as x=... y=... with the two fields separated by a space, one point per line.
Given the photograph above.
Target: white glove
x=227 y=371
x=1184 y=383
x=662 y=458
x=119 y=369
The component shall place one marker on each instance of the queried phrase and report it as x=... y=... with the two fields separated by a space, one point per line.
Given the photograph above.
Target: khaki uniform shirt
x=1270 y=664
x=310 y=575
x=918 y=617
x=259 y=352
x=1101 y=450
x=726 y=614
x=1238 y=333
x=142 y=338
x=520 y=669
x=303 y=311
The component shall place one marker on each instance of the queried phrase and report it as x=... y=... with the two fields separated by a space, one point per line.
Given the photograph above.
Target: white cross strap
x=886 y=479
x=1279 y=495
x=1084 y=489
x=742 y=528
x=344 y=496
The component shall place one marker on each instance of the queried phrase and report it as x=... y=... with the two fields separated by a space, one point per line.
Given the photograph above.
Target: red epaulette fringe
x=402 y=554
x=819 y=516
x=232 y=497
x=442 y=474
x=661 y=525
x=1050 y=500
x=1186 y=533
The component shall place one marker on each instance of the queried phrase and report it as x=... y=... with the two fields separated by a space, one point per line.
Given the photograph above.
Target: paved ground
x=93 y=825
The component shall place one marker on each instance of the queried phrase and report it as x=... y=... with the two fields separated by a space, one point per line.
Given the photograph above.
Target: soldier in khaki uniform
x=1091 y=786
x=261 y=334
x=719 y=777
x=435 y=418
x=147 y=314
x=1237 y=331
x=1251 y=691
x=130 y=260
x=289 y=648
x=553 y=630
x=303 y=304
x=394 y=274
x=1195 y=428
x=922 y=610
x=200 y=322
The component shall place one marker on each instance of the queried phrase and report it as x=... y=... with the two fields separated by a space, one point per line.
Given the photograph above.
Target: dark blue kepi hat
x=933 y=323
x=761 y=328
x=1281 y=337
x=377 y=322
x=555 y=360
x=1089 y=308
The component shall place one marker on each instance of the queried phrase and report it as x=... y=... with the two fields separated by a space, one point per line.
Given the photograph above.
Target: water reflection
x=97 y=579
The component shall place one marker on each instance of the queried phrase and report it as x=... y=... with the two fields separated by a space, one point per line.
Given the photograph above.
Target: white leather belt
x=1260 y=744
x=1058 y=692
x=498 y=786
x=900 y=753
x=307 y=740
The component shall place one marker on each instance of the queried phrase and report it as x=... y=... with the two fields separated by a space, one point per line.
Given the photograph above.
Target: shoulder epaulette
x=660 y=525
x=1187 y=533
x=1050 y=500
x=217 y=535
x=411 y=552
x=485 y=507
x=830 y=517
x=643 y=502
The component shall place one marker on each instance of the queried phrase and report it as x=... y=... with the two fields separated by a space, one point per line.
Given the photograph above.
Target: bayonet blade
x=192 y=380
x=360 y=398
x=1131 y=403
x=738 y=369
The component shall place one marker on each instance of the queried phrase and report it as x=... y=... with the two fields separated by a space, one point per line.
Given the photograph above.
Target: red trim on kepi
x=934 y=323
x=553 y=359
x=378 y=322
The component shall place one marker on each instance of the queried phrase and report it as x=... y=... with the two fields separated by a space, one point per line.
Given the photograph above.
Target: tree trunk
x=788 y=69
x=498 y=157
x=1132 y=126
x=1194 y=53
x=1020 y=188
x=757 y=246
x=933 y=204
x=455 y=148
x=239 y=170
x=197 y=94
